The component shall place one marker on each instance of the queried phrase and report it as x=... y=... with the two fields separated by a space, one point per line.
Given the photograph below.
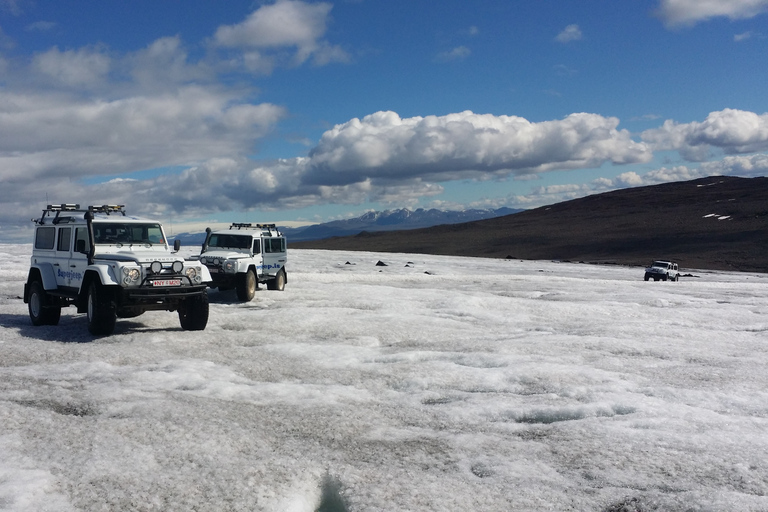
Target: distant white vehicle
x=664 y=270
x=110 y=265
x=243 y=256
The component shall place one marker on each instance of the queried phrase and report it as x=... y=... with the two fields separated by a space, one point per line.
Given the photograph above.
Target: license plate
x=213 y=270
x=166 y=282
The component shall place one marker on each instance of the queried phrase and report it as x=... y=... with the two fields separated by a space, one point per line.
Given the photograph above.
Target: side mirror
x=176 y=245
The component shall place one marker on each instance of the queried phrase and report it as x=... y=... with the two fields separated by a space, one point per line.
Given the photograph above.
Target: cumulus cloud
x=285 y=24
x=690 y=12
x=732 y=131
x=83 y=67
x=468 y=145
x=45 y=135
x=569 y=33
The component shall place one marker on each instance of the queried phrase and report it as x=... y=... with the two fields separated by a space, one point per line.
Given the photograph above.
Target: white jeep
x=110 y=265
x=245 y=255
x=664 y=270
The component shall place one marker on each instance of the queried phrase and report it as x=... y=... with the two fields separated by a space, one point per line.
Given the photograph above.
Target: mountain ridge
x=717 y=223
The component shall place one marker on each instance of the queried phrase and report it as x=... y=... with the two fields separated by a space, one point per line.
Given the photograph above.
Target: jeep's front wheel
x=193 y=313
x=102 y=313
x=278 y=283
x=39 y=311
x=246 y=285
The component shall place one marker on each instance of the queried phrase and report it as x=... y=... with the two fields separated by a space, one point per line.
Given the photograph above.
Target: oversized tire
x=40 y=310
x=246 y=286
x=665 y=277
x=278 y=283
x=193 y=313
x=647 y=277
x=102 y=313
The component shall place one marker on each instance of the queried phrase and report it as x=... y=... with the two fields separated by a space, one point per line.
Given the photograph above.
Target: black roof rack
x=55 y=211
x=248 y=225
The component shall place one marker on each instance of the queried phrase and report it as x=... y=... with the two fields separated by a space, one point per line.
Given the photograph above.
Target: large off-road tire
x=102 y=313
x=193 y=313
x=647 y=277
x=246 y=286
x=278 y=283
x=40 y=310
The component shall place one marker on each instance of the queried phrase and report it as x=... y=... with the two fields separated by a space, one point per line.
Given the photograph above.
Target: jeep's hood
x=224 y=255
x=139 y=256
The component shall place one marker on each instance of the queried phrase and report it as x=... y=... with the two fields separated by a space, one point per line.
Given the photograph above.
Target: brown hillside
x=629 y=226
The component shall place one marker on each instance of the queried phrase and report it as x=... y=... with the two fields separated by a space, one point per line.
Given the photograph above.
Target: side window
x=256 y=246
x=44 y=237
x=81 y=240
x=65 y=239
x=274 y=245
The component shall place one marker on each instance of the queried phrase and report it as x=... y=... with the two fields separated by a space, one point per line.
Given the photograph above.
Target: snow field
x=432 y=383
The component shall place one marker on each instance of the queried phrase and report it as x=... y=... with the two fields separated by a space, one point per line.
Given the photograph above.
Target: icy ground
x=433 y=383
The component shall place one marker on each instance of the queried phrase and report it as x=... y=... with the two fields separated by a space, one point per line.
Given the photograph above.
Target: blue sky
x=300 y=112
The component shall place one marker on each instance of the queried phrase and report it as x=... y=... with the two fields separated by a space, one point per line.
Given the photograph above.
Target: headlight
x=194 y=275
x=177 y=267
x=156 y=267
x=229 y=266
x=131 y=275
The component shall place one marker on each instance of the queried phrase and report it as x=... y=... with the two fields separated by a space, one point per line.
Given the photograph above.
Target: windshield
x=127 y=233
x=230 y=241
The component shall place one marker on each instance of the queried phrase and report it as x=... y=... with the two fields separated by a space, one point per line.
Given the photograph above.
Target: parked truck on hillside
x=110 y=265
x=245 y=255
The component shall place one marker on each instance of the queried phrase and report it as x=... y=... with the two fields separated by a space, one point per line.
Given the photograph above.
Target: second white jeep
x=245 y=255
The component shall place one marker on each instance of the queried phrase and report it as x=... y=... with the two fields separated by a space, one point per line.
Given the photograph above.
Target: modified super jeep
x=110 y=265
x=664 y=270
x=245 y=255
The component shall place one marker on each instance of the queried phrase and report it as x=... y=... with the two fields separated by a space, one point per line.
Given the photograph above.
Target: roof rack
x=55 y=210
x=248 y=225
x=108 y=208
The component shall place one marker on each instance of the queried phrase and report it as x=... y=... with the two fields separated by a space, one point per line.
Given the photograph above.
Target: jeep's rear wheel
x=246 y=285
x=278 y=283
x=40 y=312
x=193 y=313
x=102 y=313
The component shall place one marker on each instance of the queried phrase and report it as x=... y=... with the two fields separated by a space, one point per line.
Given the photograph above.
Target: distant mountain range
x=387 y=220
x=718 y=223
x=390 y=220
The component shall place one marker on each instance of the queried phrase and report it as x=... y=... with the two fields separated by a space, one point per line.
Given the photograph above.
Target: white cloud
x=285 y=24
x=458 y=53
x=690 y=12
x=62 y=136
x=468 y=145
x=83 y=67
x=732 y=131
x=569 y=33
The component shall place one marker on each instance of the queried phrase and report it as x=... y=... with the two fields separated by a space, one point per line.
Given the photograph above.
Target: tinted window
x=44 y=237
x=65 y=238
x=256 y=246
x=230 y=241
x=274 y=245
